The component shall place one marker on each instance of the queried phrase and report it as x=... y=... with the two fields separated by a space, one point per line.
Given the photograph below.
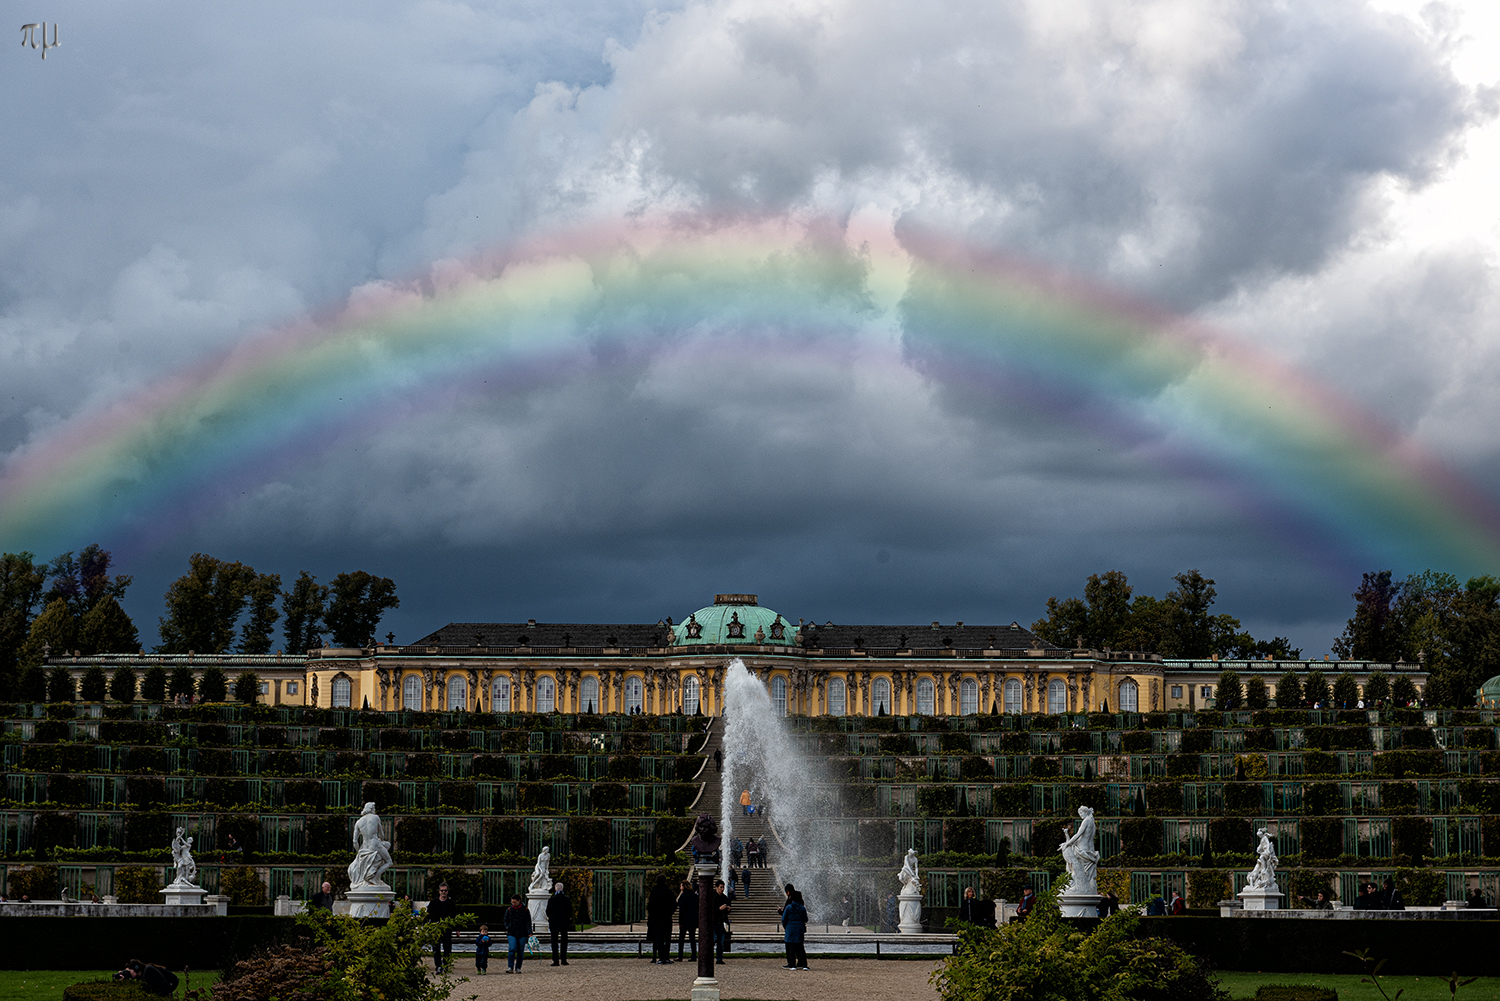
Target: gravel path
x=758 y=979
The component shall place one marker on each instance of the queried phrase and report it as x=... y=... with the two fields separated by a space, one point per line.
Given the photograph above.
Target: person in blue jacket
x=794 y=920
x=517 y=931
x=482 y=946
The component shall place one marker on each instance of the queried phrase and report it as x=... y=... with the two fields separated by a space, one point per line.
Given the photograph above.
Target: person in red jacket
x=1178 y=906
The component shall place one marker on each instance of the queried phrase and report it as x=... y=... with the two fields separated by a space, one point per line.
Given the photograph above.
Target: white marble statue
x=1263 y=876
x=540 y=879
x=1082 y=859
x=908 y=875
x=182 y=859
x=372 y=856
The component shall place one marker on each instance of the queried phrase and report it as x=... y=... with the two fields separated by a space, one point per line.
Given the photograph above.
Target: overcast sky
x=1316 y=180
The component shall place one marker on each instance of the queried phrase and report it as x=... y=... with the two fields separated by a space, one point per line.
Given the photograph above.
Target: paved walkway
x=756 y=979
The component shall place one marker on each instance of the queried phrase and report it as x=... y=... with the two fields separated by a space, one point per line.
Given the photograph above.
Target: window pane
x=1012 y=695
x=690 y=694
x=632 y=695
x=882 y=697
x=546 y=695
x=968 y=697
x=778 y=695
x=1128 y=696
x=458 y=694
x=411 y=693
x=1057 y=697
x=341 y=693
x=924 y=696
x=500 y=695
x=836 y=697
x=590 y=695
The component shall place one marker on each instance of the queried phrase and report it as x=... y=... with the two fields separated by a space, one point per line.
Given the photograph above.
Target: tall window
x=924 y=696
x=590 y=692
x=500 y=695
x=458 y=693
x=342 y=692
x=411 y=693
x=836 y=699
x=1057 y=697
x=633 y=690
x=968 y=697
x=546 y=695
x=1012 y=695
x=1129 y=697
x=778 y=695
x=882 y=696
x=690 y=694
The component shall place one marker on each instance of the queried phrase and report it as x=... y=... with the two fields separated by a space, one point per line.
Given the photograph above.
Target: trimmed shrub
x=138 y=884
x=417 y=835
x=38 y=882
x=1140 y=836
x=243 y=886
x=587 y=836
x=154 y=684
x=94 y=684
x=1231 y=834
x=328 y=832
x=213 y=685
x=1206 y=887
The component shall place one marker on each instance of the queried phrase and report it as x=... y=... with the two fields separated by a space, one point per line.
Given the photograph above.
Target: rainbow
x=1322 y=474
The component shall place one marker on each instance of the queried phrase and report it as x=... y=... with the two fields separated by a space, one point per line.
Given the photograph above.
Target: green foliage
x=107 y=629
x=1256 y=696
x=1345 y=691
x=359 y=600
x=1315 y=690
x=1289 y=691
x=304 y=607
x=261 y=594
x=1403 y=691
x=243 y=886
x=21 y=580
x=204 y=605
x=1377 y=687
x=55 y=630
x=122 y=685
x=247 y=688
x=282 y=971
x=181 y=682
x=1206 y=887
x=1044 y=958
x=213 y=685
x=138 y=884
x=154 y=684
x=60 y=687
x=380 y=962
x=38 y=882
x=94 y=684
x=1229 y=694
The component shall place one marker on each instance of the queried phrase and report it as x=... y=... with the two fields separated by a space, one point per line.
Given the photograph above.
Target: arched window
x=690 y=694
x=836 y=699
x=411 y=693
x=1129 y=696
x=546 y=695
x=633 y=691
x=1057 y=697
x=342 y=692
x=924 y=696
x=968 y=697
x=590 y=690
x=882 y=697
x=458 y=693
x=500 y=695
x=1012 y=695
x=778 y=695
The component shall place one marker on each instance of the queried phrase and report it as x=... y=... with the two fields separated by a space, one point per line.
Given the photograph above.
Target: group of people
x=752 y=852
x=747 y=803
x=1379 y=898
x=661 y=905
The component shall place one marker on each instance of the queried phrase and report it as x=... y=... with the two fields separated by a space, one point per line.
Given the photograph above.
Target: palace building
x=809 y=668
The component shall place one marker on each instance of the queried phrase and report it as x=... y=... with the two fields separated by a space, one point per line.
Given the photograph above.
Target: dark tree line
x=1110 y=616
x=73 y=603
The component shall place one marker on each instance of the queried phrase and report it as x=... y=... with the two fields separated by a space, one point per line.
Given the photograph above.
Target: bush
x=243 y=886
x=1141 y=836
x=181 y=682
x=94 y=684
x=154 y=684
x=38 y=882
x=138 y=884
x=60 y=687
x=382 y=961
x=416 y=835
x=122 y=685
x=281 y=971
x=1206 y=887
x=213 y=685
x=247 y=688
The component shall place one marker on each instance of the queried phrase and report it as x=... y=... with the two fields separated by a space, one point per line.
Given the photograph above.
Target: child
x=482 y=949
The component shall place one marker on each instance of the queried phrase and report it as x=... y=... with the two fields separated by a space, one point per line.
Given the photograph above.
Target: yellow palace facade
x=667 y=667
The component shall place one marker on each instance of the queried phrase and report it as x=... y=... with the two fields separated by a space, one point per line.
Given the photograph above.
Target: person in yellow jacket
x=745 y=801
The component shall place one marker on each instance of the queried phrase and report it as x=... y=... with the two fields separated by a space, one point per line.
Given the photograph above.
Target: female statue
x=372 y=856
x=1081 y=858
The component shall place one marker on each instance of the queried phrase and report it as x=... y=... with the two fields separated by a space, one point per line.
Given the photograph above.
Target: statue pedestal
x=179 y=894
x=1079 y=905
x=909 y=903
x=536 y=903
x=370 y=900
x=1261 y=900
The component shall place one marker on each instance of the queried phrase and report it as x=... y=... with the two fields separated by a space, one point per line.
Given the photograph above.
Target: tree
x=93 y=685
x=60 y=687
x=204 y=605
x=82 y=582
x=255 y=635
x=21 y=581
x=107 y=629
x=122 y=685
x=359 y=600
x=1289 y=691
x=154 y=684
x=181 y=682
x=213 y=686
x=55 y=630
x=1403 y=691
x=304 y=607
x=1377 y=688
x=247 y=688
x=1315 y=690
x=1229 y=694
x=1345 y=691
x=33 y=684
x=1439 y=692
x=1256 y=696
x=1373 y=633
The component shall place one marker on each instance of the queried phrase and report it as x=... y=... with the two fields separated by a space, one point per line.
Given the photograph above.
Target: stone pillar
x=536 y=903
x=909 y=903
x=706 y=987
x=370 y=900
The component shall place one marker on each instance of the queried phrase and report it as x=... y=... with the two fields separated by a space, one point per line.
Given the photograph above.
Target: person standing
x=718 y=760
x=659 y=908
x=967 y=906
x=1028 y=901
x=745 y=801
x=846 y=911
x=687 y=918
x=437 y=910
x=721 y=906
x=794 y=920
x=323 y=899
x=517 y=931
x=559 y=922
x=890 y=912
x=482 y=945
x=745 y=881
x=760 y=852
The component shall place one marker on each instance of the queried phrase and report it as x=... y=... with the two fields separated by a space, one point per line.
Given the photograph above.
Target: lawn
x=1243 y=985
x=47 y=985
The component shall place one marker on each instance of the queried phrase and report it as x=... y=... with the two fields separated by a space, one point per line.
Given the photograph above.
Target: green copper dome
x=1489 y=692
x=735 y=618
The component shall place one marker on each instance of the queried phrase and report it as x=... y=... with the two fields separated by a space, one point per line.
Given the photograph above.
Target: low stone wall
x=73 y=909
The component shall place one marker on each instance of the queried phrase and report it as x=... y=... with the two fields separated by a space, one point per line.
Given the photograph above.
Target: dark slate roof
x=958 y=637
x=548 y=634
